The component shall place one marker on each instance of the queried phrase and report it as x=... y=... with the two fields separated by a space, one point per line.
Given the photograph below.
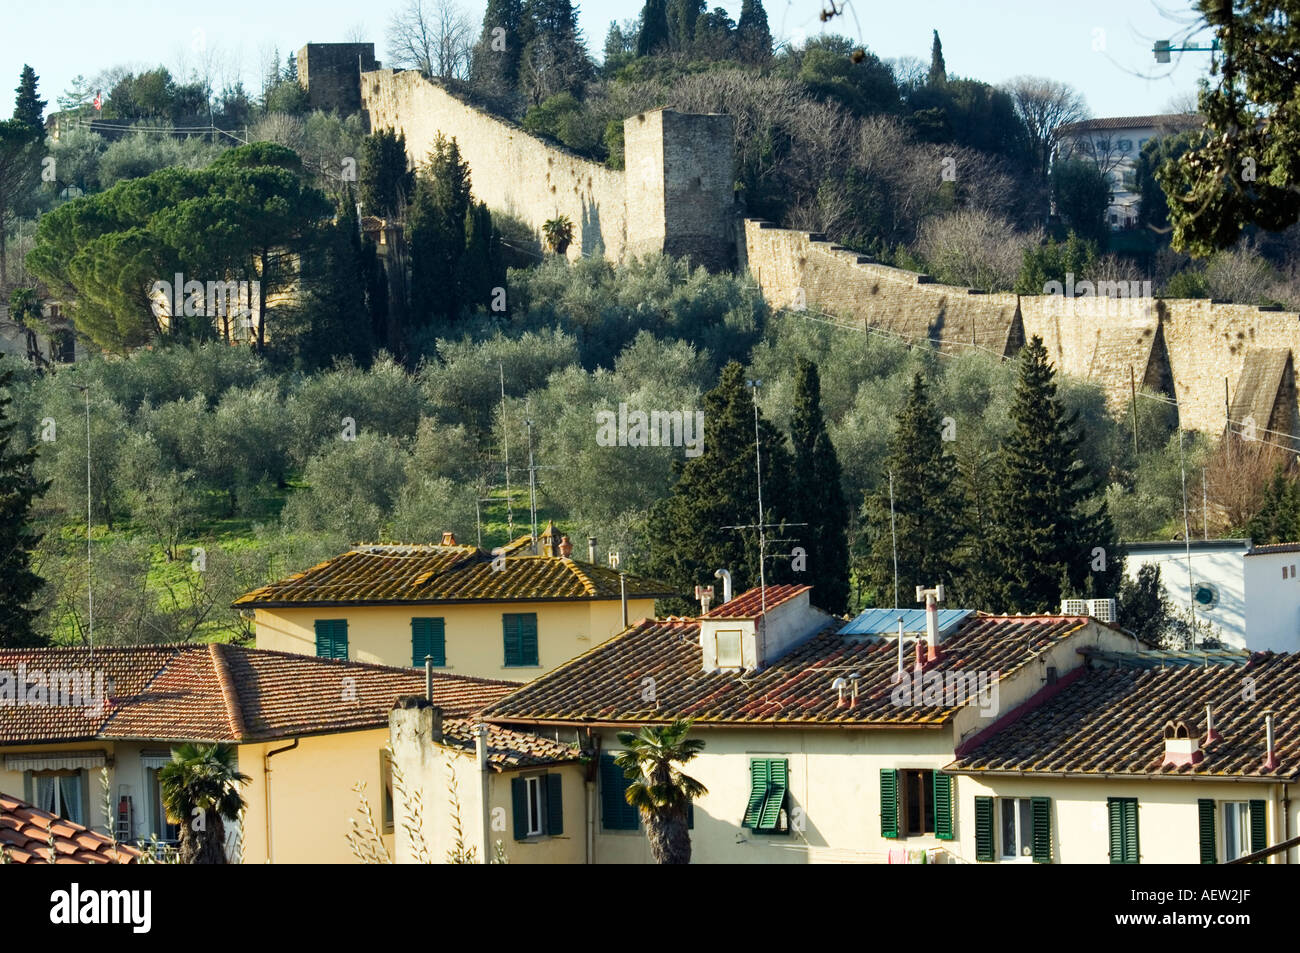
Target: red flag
x=99 y=101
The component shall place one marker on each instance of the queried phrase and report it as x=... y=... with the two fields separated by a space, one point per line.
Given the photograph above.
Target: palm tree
x=559 y=233
x=659 y=790
x=200 y=791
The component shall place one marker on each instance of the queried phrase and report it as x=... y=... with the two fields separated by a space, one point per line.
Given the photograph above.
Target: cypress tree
x=753 y=37
x=654 y=36
x=1278 y=518
x=494 y=61
x=682 y=15
x=719 y=488
x=1044 y=536
x=938 y=71
x=18 y=491
x=483 y=268
x=29 y=108
x=817 y=496
x=436 y=231
x=385 y=181
x=927 y=508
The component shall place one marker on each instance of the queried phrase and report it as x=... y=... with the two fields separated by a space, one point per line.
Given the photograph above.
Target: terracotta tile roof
x=1268 y=548
x=508 y=748
x=224 y=693
x=25 y=838
x=386 y=575
x=605 y=684
x=749 y=605
x=1174 y=121
x=1111 y=721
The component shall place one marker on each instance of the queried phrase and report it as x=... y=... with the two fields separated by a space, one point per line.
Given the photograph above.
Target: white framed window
x=61 y=793
x=1016 y=827
x=534 y=788
x=1236 y=829
x=729 y=649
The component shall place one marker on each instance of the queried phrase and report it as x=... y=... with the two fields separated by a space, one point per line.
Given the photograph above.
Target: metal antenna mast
x=505 y=444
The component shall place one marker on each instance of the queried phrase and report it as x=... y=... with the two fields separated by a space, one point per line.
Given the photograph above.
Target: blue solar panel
x=885 y=621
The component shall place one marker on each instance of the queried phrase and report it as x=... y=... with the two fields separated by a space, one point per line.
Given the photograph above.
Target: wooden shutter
x=759 y=779
x=1040 y=829
x=428 y=638
x=888 y=802
x=1209 y=841
x=1131 y=830
x=616 y=813
x=778 y=776
x=554 y=804
x=519 y=801
x=1123 y=829
x=1258 y=826
x=984 y=829
x=528 y=639
x=942 y=806
x=332 y=638
x=510 y=634
x=1115 y=811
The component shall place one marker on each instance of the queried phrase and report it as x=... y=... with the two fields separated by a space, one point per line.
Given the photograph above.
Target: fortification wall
x=510 y=170
x=331 y=74
x=801 y=268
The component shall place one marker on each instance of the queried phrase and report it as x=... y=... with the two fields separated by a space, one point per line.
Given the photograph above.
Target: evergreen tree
x=436 y=231
x=1044 y=538
x=484 y=266
x=291 y=69
x=554 y=59
x=682 y=16
x=376 y=279
x=817 y=496
x=29 y=108
x=753 y=37
x=334 y=323
x=385 y=181
x=1144 y=606
x=938 y=71
x=927 y=509
x=494 y=61
x=18 y=491
x=654 y=36
x=719 y=488
x=1278 y=517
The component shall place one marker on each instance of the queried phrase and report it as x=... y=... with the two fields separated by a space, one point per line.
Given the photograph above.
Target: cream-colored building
x=507 y=614
x=306 y=732
x=815 y=751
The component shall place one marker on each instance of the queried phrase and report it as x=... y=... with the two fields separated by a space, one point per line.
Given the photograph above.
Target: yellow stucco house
x=508 y=614
x=816 y=750
x=306 y=732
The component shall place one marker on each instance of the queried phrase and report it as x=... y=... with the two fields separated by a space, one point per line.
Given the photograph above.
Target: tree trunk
x=670 y=839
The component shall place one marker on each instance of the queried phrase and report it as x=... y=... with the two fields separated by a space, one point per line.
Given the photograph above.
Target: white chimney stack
x=931 y=598
x=725 y=576
x=1270 y=759
x=1181 y=746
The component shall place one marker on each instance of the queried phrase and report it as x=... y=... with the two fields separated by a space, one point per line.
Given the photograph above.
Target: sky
x=1102 y=48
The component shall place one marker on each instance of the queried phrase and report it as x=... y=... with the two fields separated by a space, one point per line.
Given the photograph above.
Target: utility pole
x=505 y=445
x=1132 y=383
x=532 y=484
x=754 y=385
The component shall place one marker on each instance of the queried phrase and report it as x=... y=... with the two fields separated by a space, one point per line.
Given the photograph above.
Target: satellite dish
x=1205 y=595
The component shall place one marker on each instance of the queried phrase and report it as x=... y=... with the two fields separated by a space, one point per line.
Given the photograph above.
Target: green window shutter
x=554 y=804
x=528 y=639
x=519 y=801
x=942 y=806
x=1115 y=810
x=690 y=816
x=984 y=829
x=888 y=802
x=1123 y=829
x=1131 y=831
x=759 y=779
x=510 y=633
x=1040 y=829
x=616 y=813
x=1258 y=827
x=332 y=638
x=769 y=815
x=428 y=638
x=1209 y=842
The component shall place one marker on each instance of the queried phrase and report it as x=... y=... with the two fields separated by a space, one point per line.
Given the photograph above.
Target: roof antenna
x=893 y=537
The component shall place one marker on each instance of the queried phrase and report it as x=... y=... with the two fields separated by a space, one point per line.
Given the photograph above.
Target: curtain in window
x=45 y=792
x=70 y=796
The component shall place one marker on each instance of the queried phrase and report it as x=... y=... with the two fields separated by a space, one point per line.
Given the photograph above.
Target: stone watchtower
x=331 y=74
x=681 y=186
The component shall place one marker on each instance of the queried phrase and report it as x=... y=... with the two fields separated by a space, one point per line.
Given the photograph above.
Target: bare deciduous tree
x=971 y=247
x=433 y=36
x=1044 y=105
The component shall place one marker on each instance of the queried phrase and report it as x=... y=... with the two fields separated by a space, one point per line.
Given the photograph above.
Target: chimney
x=436 y=734
x=548 y=540
x=1181 y=746
x=725 y=576
x=705 y=595
x=839 y=685
x=1210 y=734
x=853 y=681
x=591 y=549
x=566 y=547
x=931 y=598
x=448 y=538
x=1270 y=759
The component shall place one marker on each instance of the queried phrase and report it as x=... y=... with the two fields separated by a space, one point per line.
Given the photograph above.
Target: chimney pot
x=591 y=549
x=448 y=538
x=1181 y=746
x=566 y=547
x=1270 y=760
x=437 y=724
x=1210 y=733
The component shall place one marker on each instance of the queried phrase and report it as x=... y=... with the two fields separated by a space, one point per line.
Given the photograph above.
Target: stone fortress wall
x=1221 y=361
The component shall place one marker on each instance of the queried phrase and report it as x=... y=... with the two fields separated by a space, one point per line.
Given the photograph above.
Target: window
x=538 y=803
x=769 y=779
x=159 y=825
x=915 y=802
x=1236 y=829
x=520 y=636
x=729 y=649
x=61 y=793
x=386 y=782
x=1015 y=827
x=428 y=637
x=332 y=638
x=1123 y=813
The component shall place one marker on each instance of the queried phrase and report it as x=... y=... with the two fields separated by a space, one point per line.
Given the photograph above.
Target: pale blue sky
x=991 y=40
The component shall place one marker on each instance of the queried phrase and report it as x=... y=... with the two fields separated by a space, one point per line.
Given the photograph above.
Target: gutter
x=266 y=774
x=1108 y=776
x=507 y=720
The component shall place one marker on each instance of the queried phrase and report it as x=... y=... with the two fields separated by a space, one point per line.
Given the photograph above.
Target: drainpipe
x=622 y=588
x=590 y=783
x=485 y=820
x=266 y=774
x=1286 y=820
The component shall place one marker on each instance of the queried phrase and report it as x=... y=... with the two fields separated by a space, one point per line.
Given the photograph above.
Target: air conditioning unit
x=1103 y=610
